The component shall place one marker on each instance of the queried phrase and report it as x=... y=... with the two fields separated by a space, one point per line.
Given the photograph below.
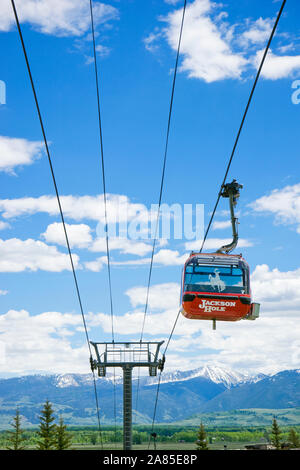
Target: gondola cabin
x=216 y=287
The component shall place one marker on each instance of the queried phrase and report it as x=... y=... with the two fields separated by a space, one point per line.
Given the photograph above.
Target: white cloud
x=57 y=17
x=16 y=152
x=206 y=53
x=123 y=245
x=220 y=224
x=161 y=296
x=103 y=51
x=164 y=257
x=269 y=344
x=272 y=341
x=214 y=49
x=4 y=225
x=283 y=203
x=119 y=207
x=3 y=292
x=277 y=291
x=259 y=32
x=169 y=258
x=79 y=235
x=20 y=255
x=172 y=2
x=151 y=40
x=41 y=342
x=278 y=66
x=215 y=243
x=96 y=265
x=286 y=48
x=266 y=345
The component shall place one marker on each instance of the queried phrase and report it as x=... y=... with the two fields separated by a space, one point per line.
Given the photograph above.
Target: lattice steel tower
x=127 y=355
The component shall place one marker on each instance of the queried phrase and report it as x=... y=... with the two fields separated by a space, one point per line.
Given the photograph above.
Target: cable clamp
x=93 y=364
x=161 y=363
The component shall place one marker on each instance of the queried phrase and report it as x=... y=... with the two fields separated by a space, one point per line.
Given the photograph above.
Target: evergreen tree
x=47 y=429
x=294 y=439
x=63 y=437
x=16 y=439
x=202 y=439
x=275 y=434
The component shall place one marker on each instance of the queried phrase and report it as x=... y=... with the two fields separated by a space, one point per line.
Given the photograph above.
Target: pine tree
x=275 y=435
x=47 y=429
x=294 y=439
x=202 y=439
x=16 y=439
x=63 y=437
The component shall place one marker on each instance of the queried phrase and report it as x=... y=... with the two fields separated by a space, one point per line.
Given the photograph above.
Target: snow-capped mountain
x=214 y=373
x=182 y=394
x=79 y=380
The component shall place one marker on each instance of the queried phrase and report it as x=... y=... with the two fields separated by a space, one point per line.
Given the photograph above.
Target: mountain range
x=182 y=394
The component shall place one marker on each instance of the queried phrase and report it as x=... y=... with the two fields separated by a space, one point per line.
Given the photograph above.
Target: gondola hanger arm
x=232 y=192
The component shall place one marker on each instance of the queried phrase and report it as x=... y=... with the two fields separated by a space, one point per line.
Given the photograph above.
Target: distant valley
x=210 y=391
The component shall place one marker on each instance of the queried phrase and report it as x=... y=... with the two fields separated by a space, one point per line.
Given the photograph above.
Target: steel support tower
x=127 y=355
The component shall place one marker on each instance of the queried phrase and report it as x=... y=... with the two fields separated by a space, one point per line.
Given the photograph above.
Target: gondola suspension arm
x=231 y=191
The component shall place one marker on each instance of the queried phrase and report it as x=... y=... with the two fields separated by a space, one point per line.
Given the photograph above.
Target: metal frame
x=231 y=191
x=127 y=355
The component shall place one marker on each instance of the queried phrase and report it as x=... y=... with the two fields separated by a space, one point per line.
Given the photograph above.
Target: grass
x=161 y=446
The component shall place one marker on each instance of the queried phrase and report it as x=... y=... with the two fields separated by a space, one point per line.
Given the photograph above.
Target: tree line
x=275 y=438
x=51 y=436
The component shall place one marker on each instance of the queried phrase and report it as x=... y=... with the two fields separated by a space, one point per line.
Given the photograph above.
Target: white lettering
x=215 y=305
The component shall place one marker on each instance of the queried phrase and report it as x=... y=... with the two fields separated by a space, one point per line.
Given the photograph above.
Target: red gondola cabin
x=216 y=287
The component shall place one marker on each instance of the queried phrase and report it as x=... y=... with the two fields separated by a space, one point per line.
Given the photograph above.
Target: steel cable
x=104 y=195
x=243 y=121
x=59 y=204
x=219 y=195
x=162 y=183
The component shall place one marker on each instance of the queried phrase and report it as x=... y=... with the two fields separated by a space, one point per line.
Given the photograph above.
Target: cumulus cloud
x=161 y=296
x=214 y=49
x=79 y=235
x=169 y=257
x=220 y=224
x=258 y=32
x=124 y=245
x=283 y=203
x=96 y=265
x=4 y=225
x=268 y=344
x=163 y=257
x=41 y=342
x=17 y=152
x=215 y=243
x=56 y=17
x=19 y=255
x=119 y=207
x=278 y=66
x=277 y=291
x=206 y=53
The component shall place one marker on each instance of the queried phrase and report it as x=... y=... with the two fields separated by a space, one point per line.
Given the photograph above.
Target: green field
x=160 y=446
x=180 y=437
x=244 y=418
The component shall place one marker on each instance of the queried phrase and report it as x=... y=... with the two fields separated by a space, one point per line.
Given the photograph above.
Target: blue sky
x=40 y=325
